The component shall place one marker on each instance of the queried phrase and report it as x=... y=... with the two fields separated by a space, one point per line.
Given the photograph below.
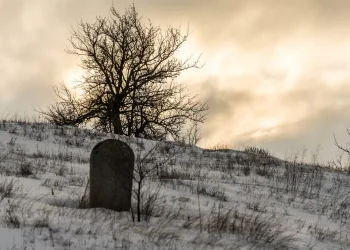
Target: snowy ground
x=193 y=199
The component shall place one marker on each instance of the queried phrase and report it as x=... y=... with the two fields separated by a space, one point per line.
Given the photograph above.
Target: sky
x=276 y=73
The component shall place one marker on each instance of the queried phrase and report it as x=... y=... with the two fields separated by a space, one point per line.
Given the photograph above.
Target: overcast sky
x=276 y=74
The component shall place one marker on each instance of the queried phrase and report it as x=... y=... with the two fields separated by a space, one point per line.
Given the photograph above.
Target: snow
x=10 y=237
x=203 y=199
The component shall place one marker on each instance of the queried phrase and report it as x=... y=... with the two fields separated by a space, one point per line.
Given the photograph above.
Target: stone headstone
x=111 y=175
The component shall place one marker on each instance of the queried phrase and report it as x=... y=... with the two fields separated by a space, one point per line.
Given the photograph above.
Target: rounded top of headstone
x=117 y=147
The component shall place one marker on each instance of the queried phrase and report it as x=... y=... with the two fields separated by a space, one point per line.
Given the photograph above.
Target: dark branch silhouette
x=129 y=87
x=341 y=147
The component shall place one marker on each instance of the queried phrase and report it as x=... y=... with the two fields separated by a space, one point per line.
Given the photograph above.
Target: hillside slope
x=192 y=199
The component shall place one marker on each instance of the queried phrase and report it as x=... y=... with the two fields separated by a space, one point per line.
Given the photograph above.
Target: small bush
x=220 y=147
x=25 y=169
x=265 y=171
x=11 y=218
x=322 y=234
x=257 y=151
x=42 y=221
x=38 y=135
x=214 y=192
x=259 y=229
x=149 y=206
x=164 y=173
x=64 y=155
x=62 y=170
x=303 y=180
x=246 y=170
x=7 y=189
x=76 y=180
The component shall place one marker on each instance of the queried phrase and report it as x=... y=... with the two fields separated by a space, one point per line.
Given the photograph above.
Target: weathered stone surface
x=111 y=175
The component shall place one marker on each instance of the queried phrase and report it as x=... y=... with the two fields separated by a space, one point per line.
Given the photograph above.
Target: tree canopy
x=129 y=86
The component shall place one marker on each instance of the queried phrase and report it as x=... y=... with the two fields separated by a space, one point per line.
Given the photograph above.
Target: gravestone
x=111 y=175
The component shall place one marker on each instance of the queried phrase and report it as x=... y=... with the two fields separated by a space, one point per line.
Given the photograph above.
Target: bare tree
x=341 y=147
x=339 y=162
x=147 y=165
x=130 y=83
x=192 y=135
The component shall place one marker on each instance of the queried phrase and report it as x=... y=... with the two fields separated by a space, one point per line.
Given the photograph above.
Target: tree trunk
x=131 y=122
x=117 y=124
x=115 y=116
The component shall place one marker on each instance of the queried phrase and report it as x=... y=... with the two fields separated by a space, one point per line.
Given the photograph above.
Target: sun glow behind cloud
x=73 y=76
x=276 y=71
x=289 y=61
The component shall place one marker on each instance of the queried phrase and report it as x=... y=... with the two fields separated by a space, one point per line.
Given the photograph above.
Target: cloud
x=306 y=116
x=276 y=73
x=33 y=59
x=255 y=24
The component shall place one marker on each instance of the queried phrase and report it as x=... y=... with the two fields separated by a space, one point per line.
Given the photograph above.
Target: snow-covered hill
x=193 y=198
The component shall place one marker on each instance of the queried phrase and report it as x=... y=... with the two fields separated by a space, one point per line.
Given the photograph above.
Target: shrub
x=11 y=218
x=215 y=192
x=7 y=188
x=262 y=230
x=25 y=169
x=149 y=205
x=246 y=170
x=257 y=151
x=42 y=221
